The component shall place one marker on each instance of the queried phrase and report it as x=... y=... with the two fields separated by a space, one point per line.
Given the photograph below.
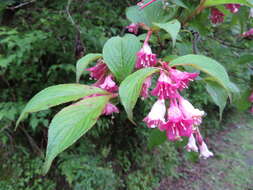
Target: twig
x=70 y=17
x=21 y=5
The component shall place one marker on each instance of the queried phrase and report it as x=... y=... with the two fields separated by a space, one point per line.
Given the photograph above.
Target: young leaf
x=207 y=65
x=148 y=15
x=242 y=103
x=84 y=62
x=156 y=138
x=218 y=95
x=70 y=124
x=130 y=88
x=58 y=94
x=120 y=55
x=209 y=3
x=172 y=27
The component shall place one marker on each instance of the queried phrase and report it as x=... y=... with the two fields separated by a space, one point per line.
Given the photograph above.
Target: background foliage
x=37 y=50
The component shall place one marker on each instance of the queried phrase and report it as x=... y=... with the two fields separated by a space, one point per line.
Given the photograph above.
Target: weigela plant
x=127 y=68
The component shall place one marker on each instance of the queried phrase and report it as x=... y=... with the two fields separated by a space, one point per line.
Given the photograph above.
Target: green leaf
x=70 y=124
x=148 y=15
x=179 y=3
x=247 y=58
x=172 y=27
x=207 y=65
x=58 y=94
x=156 y=138
x=209 y=3
x=130 y=88
x=218 y=95
x=242 y=103
x=84 y=62
x=120 y=55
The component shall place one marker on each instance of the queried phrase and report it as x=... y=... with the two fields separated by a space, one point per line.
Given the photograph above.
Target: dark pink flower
x=248 y=33
x=145 y=87
x=190 y=112
x=98 y=70
x=182 y=78
x=251 y=97
x=165 y=88
x=133 y=28
x=216 y=16
x=234 y=8
x=142 y=5
x=156 y=116
x=108 y=84
x=177 y=126
x=110 y=109
x=145 y=57
x=191 y=145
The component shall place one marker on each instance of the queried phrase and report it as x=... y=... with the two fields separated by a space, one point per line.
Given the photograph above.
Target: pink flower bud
x=146 y=85
x=145 y=57
x=156 y=116
x=110 y=109
x=98 y=70
x=204 y=152
x=248 y=33
x=192 y=146
x=234 y=8
x=133 y=28
x=109 y=84
x=142 y=5
x=216 y=16
x=165 y=88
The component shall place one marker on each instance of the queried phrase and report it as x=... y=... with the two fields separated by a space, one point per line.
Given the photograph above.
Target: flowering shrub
x=126 y=70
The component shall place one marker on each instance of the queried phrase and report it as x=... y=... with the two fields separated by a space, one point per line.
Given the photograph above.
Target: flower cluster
x=104 y=80
x=182 y=118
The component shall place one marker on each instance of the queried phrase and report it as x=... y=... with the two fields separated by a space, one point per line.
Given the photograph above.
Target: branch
x=70 y=17
x=21 y=5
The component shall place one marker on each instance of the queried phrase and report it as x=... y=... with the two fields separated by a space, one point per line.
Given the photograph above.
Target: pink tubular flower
x=145 y=57
x=234 y=8
x=145 y=5
x=110 y=109
x=177 y=125
x=98 y=70
x=146 y=85
x=204 y=151
x=248 y=33
x=182 y=78
x=192 y=146
x=109 y=84
x=190 y=112
x=165 y=88
x=133 y=28
x=216 y=16
x=156 y=116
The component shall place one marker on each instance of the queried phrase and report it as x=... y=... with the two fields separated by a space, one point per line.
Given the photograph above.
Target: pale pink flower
x=110 y=109
x=192 y=146
x=216 y=16
x=145 y=87
x=142 y=5
x=248 y=33
x=98 y=71
x=182 y=78
x=133 y=28
x=165 y=88
x=251 y=13
x=176 y=126
x=190 y=112
x=204 y=151
x=251 y=97
x=109 y=84
x=156 y=116
x=145 y=57
x=234 y=8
